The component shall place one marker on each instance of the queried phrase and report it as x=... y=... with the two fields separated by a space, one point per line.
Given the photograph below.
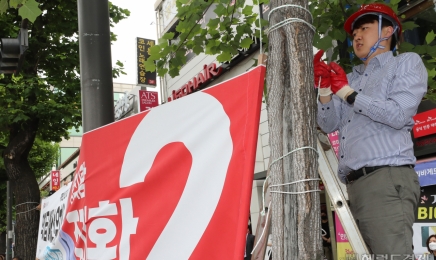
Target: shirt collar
x=382 y=59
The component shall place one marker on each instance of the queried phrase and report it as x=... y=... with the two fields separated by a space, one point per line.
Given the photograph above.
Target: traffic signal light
x=12 y=52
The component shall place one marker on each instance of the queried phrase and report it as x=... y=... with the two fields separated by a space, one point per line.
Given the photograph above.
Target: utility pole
x=95 y=64
x=9 y=221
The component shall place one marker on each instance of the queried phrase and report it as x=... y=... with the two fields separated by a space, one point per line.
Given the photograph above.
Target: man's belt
x=354 y=175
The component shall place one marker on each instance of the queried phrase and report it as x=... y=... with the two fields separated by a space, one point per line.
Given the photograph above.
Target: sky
x=140 y=23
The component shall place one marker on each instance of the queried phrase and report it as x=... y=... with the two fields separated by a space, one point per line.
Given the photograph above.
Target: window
x=65 y=153
x=75 y=131
x=118 y=96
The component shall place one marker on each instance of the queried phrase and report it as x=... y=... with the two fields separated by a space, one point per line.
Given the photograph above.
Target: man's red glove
x=322 y=74
x=339 y=81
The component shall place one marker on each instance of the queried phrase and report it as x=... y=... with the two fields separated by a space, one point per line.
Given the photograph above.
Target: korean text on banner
x=426 y=173
x=52 y=216
x=181 y=179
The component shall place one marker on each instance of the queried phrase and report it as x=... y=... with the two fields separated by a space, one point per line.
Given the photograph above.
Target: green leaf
x=409 y=25
x=184 y=1
x=162 y=71
x=405 y=47
x=197 y=49
x=248 y=10
x=225 y=56
x=245 y=43
x=339 y=35
x=168 y=36
x=150 y=65
x=432 y=73
x=220 y=10
x=213 y=23
x=174 y=72
x=324 y=43
x=15 y=3
x=3 y=6
x=430 y=37
x=30 y=10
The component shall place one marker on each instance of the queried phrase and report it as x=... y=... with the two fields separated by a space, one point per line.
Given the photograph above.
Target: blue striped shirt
x=375 y=130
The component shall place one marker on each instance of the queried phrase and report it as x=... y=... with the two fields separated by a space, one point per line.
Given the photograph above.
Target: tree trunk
x=292 y=125
x=3 y=242
x=25 y=188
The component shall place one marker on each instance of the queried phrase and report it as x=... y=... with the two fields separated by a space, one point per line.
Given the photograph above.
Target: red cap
x=377 y=9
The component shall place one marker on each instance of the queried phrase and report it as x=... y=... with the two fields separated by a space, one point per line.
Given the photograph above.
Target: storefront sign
x=55 y=180
x=147 y=100
x=425 y=224
x=425 y=123
x=144 y=78
x=427 y=173
x=209 y=71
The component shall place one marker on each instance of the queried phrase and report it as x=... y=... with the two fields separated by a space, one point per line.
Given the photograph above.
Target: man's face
x=364 y=38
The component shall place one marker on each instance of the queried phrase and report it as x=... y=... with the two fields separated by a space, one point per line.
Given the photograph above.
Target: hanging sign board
x=144 y=78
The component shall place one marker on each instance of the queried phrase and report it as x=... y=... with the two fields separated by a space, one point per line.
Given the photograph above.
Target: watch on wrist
x=351 y=98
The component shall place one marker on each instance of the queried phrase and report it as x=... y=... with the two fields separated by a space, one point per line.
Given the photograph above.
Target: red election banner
x=147 y=100
x=425 y=123
x=175 y=183
x=55 y=180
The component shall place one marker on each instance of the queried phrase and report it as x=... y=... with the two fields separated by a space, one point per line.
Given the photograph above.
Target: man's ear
x=387 y=31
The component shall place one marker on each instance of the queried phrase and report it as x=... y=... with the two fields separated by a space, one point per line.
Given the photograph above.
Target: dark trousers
x=383 y=204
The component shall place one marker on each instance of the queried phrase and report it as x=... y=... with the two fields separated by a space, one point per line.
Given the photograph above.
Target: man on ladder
x=372 y=107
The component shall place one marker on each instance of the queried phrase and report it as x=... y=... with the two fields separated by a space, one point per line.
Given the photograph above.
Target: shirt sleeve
x=407 y=90
x=328 y=116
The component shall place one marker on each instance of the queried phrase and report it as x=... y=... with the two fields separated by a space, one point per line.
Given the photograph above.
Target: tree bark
x=2 y=242
x=25 y=188
x=292 y=125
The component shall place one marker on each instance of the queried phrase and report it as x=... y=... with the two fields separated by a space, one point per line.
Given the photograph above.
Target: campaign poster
x=176 y=182
x=53 y=209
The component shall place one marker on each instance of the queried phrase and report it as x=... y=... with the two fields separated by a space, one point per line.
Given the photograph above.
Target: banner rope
x=263 y=231
x=294 y=182
x=260 y=30
x=263 y=212
x=26 y=203
x=25 y=211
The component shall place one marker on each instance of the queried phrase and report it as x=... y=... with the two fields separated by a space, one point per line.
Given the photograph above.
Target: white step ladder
x=328 y=166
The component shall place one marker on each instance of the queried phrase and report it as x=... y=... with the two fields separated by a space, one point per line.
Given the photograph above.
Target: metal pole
x=95 y=64
x=9 y=221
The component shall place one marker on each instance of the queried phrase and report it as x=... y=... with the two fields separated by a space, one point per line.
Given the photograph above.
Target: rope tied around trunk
x=27 y=210
x=289 y=20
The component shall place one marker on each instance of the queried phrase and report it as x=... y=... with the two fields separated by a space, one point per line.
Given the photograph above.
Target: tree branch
x=231 y=19
x=181 y=43
x=342 y=7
